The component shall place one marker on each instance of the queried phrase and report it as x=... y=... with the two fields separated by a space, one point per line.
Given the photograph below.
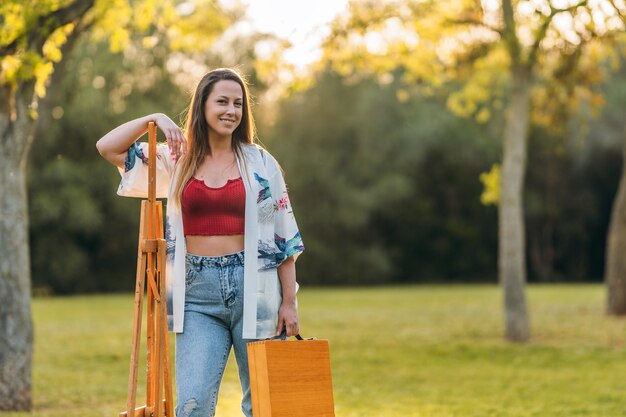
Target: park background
x=393 y=166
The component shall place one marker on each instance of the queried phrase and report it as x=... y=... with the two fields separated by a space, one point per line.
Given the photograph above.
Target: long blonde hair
x=197 y=128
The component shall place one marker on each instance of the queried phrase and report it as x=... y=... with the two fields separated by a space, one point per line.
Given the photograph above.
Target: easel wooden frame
x=151 y=258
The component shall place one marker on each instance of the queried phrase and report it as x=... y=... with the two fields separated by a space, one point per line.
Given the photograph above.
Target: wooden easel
x=151 y=278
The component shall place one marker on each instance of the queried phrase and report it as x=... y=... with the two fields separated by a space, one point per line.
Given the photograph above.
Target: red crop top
x=214 y=211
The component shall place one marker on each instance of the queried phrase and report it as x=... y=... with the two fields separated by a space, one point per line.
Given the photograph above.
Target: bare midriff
x=217 y=245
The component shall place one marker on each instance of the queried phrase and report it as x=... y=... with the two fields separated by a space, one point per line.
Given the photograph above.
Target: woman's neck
x=219 y=146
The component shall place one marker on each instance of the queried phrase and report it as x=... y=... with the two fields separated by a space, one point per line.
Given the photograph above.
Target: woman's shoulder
x=256 y=152
x=253 y=148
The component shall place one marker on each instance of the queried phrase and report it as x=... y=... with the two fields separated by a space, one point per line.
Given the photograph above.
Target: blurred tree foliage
x=572 y=188
x=568 y=203
x=385 y=185
x=384 y=189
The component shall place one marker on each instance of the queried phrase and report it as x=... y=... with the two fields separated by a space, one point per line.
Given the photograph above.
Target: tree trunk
x=16 y=329
x=511 y=239
x=17 y=127
x=615 y=273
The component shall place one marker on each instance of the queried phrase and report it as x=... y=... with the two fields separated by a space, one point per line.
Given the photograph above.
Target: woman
x=232 y=239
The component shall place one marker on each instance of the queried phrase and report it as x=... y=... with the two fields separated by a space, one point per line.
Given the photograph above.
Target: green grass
x=396 y=351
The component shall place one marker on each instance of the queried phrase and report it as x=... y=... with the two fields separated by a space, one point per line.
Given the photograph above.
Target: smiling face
x=223 y=109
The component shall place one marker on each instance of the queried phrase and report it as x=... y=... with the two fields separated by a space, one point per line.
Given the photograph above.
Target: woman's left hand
x=288 y=319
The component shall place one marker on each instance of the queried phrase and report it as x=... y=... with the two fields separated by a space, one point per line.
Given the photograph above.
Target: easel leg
x=137 y=318
x=150 y=399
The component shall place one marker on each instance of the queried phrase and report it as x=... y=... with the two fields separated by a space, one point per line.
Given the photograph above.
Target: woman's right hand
x=176 y=140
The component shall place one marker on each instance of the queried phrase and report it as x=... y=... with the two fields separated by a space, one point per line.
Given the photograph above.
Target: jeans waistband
x=222 y=260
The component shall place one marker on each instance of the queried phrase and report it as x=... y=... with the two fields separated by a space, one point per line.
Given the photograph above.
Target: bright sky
x=304 y=24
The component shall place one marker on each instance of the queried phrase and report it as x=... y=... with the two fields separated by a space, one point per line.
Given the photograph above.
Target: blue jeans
x=213 y=323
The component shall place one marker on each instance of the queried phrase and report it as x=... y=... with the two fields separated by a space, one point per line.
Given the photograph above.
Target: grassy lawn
x=396 y=351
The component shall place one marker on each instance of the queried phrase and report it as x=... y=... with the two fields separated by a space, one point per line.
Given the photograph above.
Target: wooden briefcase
x=290 y=378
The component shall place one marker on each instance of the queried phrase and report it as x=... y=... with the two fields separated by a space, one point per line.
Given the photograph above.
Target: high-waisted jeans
x=213 y=323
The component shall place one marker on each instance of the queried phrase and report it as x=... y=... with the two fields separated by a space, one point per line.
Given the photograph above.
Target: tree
x=615 y=274
x=516 y=55
x=33 y=38
x=615 y=266
x=25 y=66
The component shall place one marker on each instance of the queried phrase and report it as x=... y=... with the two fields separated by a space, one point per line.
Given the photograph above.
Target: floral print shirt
x=271 y=233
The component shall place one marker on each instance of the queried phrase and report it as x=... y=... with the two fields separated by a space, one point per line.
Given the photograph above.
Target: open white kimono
x=271 y=233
